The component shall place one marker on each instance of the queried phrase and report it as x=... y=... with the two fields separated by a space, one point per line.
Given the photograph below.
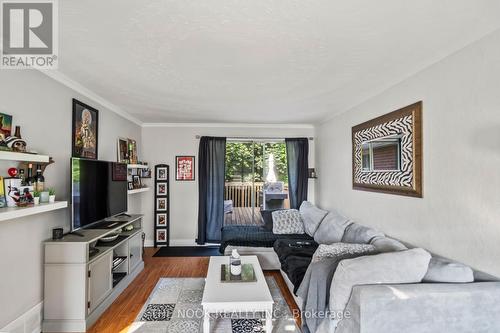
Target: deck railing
x=241 y=193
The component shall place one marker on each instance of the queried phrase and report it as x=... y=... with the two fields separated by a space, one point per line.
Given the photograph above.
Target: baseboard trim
x=28 y=322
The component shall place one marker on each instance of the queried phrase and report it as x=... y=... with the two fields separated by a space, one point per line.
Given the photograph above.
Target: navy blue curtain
x=297 y=155
x=211 y=170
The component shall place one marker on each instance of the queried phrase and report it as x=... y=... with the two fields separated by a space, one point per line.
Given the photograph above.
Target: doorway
x=256 y=179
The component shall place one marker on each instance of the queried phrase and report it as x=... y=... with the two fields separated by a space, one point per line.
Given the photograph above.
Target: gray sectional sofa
x=397 y=288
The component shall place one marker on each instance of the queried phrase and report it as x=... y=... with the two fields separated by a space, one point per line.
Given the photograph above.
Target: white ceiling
x=258 y=61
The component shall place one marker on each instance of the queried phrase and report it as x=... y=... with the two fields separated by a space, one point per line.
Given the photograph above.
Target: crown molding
x=66 y=81
x=229 y=125
x=79 y=88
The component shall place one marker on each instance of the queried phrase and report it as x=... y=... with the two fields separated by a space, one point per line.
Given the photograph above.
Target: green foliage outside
x=242 y=157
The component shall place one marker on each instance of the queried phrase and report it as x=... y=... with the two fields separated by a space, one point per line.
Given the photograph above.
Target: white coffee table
x=234 y=297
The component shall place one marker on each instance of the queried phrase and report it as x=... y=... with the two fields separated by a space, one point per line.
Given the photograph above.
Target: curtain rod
x=254 y=138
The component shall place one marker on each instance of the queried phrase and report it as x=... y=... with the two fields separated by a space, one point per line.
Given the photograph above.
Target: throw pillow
x=332 y=228
x=287 y=221
x=312 y=217
x=386 y=244
x=341 y=249
x=444 y=270
x=267 y=218
x=359 y=234
x=407 y=266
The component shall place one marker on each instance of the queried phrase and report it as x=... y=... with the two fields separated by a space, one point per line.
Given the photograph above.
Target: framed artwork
x=161 y=220
x=12 y=189
x=84 y=130
x=119 y=172
x=161 y=204
x=161 y=189
x=161 y=173
x=122 y=149
x=3 y=202
x=136 y=181
x=130 y=186
x=161 y=236
x=387 y=153
x=5 y=127
x=184 y=166
x=132 y=151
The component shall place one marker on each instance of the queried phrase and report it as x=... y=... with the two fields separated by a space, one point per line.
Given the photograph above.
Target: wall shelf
x=137 y=166
x=23 y=157
x=10 y=213
x=138 y=190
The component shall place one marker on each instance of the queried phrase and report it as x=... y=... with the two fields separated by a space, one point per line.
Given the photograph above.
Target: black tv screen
x=99 y=191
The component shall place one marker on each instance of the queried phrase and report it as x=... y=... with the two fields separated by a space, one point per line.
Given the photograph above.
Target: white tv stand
x=80 y=287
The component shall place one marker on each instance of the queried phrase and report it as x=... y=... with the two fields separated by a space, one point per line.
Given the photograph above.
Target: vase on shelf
x=17 y=132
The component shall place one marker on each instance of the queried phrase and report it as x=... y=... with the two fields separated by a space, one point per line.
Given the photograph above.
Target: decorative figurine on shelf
x=235 y=262
x=16 y=144
x=12 y=172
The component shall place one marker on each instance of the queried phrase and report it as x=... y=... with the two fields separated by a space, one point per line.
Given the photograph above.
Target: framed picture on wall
x=161 y=173
x=161 y=204
x=130 y=186
x=136 y=181
x=122 y=149
x=161 y=236
x=132 y=151
x=84 y=130
x=161 y=220
x=185 y=168
x=161 y=189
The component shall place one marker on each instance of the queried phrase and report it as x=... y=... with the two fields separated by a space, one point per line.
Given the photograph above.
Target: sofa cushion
x=407 y=266
x=267 y=218
x=445 y=270
x=287 y=222
x=386 y=244
x=312 y=217
x=337 y=250
x=359 y=234
x=332 y=228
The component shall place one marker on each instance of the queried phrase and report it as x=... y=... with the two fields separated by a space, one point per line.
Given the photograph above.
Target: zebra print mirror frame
x=406 y=123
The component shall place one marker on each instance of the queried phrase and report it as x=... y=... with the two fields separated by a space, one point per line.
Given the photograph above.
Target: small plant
x=52 y=191
x=36 y=194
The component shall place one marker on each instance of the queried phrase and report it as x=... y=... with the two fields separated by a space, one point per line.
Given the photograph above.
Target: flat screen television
x=98 y=190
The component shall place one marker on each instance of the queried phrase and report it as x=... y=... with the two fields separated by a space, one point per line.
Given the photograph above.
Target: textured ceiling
x=258 y=61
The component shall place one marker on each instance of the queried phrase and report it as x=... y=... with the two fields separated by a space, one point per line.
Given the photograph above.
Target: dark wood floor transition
x=121 y=314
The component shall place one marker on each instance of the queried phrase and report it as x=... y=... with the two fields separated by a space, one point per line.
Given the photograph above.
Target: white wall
x=43 y=107
x=162 y=144
x=459 y=216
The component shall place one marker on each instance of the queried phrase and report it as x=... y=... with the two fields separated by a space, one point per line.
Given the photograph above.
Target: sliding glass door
x=256 y=179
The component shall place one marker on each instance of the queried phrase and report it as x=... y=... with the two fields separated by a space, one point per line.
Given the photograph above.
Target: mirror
x=387 y=153
x=382 y=154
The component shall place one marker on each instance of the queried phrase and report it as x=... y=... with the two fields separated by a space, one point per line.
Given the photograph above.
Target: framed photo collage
x=162 y=205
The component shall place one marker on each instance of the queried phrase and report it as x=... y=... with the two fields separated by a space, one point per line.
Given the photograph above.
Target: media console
x=81 y=283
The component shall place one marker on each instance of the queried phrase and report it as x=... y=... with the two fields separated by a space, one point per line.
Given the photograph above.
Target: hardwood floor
x=121 y=314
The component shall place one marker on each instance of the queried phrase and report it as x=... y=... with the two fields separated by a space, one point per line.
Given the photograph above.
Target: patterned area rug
x=175 y=306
